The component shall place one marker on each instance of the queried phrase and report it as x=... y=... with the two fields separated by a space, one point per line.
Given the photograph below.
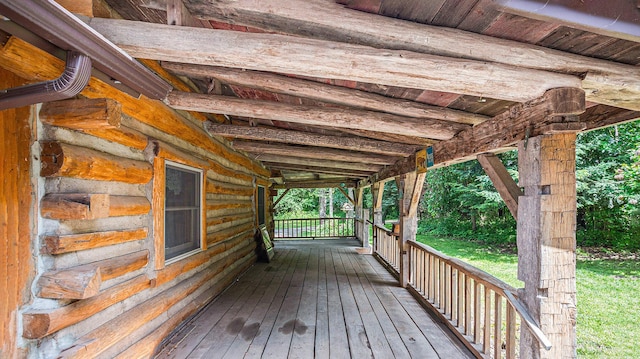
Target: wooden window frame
x=159 y=188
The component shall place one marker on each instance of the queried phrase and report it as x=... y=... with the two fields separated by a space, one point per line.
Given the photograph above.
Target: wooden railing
x=386 y=246
x=479 y=308
x=312 y=228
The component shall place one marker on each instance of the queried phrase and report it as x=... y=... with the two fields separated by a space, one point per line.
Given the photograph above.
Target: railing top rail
x=388 y=231
x=495 y=283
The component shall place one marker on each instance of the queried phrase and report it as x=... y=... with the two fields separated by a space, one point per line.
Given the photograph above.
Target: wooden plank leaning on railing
x=479 y=308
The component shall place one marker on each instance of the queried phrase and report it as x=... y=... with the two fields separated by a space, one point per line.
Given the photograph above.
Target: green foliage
x=460 y=201
x=608 y=187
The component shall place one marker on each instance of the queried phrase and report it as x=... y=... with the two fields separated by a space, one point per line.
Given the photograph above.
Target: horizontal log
x=79 y=242
x=324 y=92
x=74 y=283
x=122 y=135
x=316 y=115
x=606 y=82
x=319 y=163
x=327 y=59
x=82 y=114
x=501 y=132
x=218 y=236
x=316 y=169
x=163 y=150
x=74 y=206
x=219 y=205
x=128 y=206
x=258 y=148
x=121 y=265
x=63 y=206
x=40 y=323
x=225 y=188
x=309 y=139
x=315 y=184
x=61 y=159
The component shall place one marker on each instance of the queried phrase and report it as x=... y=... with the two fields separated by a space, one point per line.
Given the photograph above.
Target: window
x=182 y=210
x=261 y=208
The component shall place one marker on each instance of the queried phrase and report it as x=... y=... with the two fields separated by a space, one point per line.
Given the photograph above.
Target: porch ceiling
x=340 y=91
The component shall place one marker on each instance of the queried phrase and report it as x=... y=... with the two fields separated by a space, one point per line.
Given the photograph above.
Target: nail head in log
x=61 y=159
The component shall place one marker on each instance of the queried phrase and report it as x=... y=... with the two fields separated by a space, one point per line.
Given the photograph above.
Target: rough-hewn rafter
x=313 y=152
x=324 y=92
x=503 y=131
x=605 y=82
x=317 y=170
x=309 y=139
x=315 y=115
x=327 y=59
x=318 y=163
x=314 y=184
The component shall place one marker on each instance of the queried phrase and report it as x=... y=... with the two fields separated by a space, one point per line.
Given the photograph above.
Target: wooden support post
x=376 y=191
x=547 y=242
x=409 y=191
x=502 y=181
x=365 y=228
x=357 y=194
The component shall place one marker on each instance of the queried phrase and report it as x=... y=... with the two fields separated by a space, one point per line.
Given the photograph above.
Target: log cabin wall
x=102 y=287
x=16 y=214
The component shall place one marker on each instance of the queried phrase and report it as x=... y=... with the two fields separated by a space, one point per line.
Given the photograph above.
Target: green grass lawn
x=608 y=295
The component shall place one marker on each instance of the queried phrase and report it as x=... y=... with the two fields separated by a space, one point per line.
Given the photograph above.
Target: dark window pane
x=182 y=211
x=261 y=203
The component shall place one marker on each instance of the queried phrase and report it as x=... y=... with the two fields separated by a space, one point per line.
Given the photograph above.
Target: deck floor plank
x=203 y=322
x=254 y=322
x=315 y=299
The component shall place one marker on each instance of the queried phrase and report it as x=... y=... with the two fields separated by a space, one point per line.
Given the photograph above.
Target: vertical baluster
x=462 y=298
x=511 y=332
x=442 y=284
x=423 y=255
x=477 y=310
x=467 y=305
x=497 y=335
x=486 y=343
x=453 y=297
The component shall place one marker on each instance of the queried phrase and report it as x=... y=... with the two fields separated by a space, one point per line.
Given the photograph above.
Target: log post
x=357 y=194
x=547 y=242
x=365 y=228
x=376 y=191
x=409 y=190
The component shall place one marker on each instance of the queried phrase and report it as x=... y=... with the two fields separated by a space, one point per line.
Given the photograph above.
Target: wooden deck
x=315 y=299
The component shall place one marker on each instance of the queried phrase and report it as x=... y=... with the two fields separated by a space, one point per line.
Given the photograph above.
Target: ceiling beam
x=324 y=92
x=615 y=18
x=318 y=163
x=503 y=131
x=309 y=139
x=605 y=82
x=328 y=59
x=318 y=170
x=314 y=184
x=315 y=115
x=313 y=152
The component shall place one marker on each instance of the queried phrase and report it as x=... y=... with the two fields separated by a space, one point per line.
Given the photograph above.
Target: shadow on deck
x=315 y=299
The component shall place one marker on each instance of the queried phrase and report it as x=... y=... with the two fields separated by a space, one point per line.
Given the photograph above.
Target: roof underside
x=342 y=129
